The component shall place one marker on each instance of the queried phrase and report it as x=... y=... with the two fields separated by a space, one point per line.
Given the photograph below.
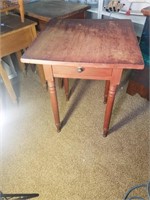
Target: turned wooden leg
x=107 y=84
x=8 y=84
x=66 y=87
x=54 y=103
x=109 y=107
x=53 y=95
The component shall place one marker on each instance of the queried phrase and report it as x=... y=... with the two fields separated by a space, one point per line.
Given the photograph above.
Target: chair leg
x=8 y=84
x=21 y=9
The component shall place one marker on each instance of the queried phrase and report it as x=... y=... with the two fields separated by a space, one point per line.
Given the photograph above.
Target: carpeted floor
x=77 y=163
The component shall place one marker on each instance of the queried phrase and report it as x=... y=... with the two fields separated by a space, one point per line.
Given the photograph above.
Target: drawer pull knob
x=80 y=69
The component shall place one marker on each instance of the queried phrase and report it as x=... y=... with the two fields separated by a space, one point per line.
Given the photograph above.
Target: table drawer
x=81 y=72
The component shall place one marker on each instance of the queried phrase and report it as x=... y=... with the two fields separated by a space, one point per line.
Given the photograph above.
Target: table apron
x=82 y=72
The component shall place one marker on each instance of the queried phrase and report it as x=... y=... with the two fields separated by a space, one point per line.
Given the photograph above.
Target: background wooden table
x=43 y=11
x=14 y=37
x=86 y=49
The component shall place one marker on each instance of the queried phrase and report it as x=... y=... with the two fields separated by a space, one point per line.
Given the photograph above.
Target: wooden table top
x=13 y=22
x=103 y=43
x=46 y=10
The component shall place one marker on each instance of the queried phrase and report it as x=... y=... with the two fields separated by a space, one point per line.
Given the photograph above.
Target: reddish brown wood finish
x=44 y=11
x=66 y=86
x=86 y=49
x=107 y=84
x=53 y=96
x=82 y=72
x=111 y=91
x=110 y=101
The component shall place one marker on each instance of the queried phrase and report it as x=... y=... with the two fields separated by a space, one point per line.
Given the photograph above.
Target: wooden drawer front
x=82 y=72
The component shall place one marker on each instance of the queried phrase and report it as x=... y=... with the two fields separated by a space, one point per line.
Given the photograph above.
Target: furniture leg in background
x=40 y=70
x=21 y=65
x=8 y=84
x=21 y=9
x=9 y=5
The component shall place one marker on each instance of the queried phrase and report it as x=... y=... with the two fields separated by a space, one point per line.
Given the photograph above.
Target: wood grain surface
x=102 y=43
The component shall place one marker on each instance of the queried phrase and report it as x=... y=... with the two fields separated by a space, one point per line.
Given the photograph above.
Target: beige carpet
x=77 y=163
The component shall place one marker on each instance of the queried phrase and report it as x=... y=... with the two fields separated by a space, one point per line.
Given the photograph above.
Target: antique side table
x=86 y=49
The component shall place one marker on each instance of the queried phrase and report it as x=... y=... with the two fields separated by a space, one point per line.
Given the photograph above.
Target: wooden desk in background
x=14 y=37
x=43 y=11
x=86 y=49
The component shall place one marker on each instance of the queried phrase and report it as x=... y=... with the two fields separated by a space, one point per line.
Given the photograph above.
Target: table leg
x=109 y=107
x=107 y=84
x=8 y=84
x=54 y=103
x=21 y=65
x=66 y=87
x=53 y=95
x=21 y=9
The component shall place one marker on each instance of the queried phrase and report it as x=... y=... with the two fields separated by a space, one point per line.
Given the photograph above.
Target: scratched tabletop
x=101 y=42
